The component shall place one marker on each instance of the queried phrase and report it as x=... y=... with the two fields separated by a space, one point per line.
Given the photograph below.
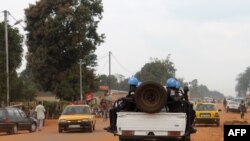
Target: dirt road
x=50 y=133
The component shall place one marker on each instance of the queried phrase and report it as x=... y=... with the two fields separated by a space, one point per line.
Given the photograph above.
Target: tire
x=218 y=123
x=186 y=138
x=91 y=128
x=60 y=130
x=150 y=97
x=33 y=127
x=13 y=130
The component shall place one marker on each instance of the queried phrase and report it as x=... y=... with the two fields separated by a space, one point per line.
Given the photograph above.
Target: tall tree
x=60 y=32
x=104 y=80
x=243 y=82
x=157 y=70
x=201 y=91
x=15 y=40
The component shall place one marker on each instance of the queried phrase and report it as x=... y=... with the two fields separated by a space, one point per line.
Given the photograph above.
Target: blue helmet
x=171 y=83
x=178 y=85
x=133 y=81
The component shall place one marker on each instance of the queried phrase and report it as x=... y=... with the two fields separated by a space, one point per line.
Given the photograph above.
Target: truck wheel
x=150 y=97
x=186 y=138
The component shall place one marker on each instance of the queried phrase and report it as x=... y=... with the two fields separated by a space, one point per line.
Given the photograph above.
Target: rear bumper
x=161 y=138
x=233 y=110
x=207 y=120
x=83 y=124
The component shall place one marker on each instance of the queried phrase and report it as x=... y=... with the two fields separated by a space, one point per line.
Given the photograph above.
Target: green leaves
x=59 y=34
x=15 y=41
x=243 y=81
x=157 y=70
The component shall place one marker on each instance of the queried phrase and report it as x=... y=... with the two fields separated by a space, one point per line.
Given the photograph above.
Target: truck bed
x=137 y=124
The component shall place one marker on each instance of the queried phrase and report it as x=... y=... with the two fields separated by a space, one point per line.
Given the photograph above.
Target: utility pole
x=81 y=79
x=7 y=58
x=109 y=73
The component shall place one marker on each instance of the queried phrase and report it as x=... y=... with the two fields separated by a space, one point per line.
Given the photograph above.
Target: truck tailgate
x=157 y=124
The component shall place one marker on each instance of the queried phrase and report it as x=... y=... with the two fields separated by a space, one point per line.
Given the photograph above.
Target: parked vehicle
x=14 y=119
x=206 y=113
x=76 y=117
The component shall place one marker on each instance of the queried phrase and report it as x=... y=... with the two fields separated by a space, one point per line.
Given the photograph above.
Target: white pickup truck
x=149 y=122
x=232 y=106
x=133 y=126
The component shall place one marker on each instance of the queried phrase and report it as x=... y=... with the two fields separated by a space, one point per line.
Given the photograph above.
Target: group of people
x=177 y=102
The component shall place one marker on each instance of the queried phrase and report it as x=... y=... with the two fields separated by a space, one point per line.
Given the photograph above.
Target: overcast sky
x=208 y=39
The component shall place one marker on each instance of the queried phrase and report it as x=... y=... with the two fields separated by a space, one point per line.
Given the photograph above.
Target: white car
x=232 y=106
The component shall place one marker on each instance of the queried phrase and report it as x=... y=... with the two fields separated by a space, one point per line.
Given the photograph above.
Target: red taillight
x=174 y=133
x=128 y=133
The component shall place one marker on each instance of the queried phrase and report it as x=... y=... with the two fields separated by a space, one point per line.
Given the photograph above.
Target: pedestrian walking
x=40 y=110
x=242 y=109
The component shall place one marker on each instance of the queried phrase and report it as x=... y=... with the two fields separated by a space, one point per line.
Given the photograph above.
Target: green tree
x=104 y=80
x=15 y=40
x=243 y=81
x=29 y=87
x=201 y=91
x=123 y=85
x=60 y=32
x=157 y=70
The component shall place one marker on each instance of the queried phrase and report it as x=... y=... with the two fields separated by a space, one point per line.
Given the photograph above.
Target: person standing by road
x=242 y=109
x=40 y=110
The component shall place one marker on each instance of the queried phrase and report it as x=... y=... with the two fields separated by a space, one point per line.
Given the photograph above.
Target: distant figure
x=213 y=101
x=225 y=102
x=243 y=109
x=104 y=108
x=40 y=110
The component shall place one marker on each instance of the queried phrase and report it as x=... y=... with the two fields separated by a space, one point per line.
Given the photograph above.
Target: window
x=22 y=113
x=2 y=114
x=205 y=107
x=76 y=110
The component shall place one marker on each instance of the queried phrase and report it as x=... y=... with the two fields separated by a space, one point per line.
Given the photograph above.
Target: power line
x=102 y=56
x=101 y=70
x=124 y=68
x=17 y=21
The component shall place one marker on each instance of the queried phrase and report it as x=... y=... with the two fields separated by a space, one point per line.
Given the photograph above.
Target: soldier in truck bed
x=123 y=104
x=178 y=102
